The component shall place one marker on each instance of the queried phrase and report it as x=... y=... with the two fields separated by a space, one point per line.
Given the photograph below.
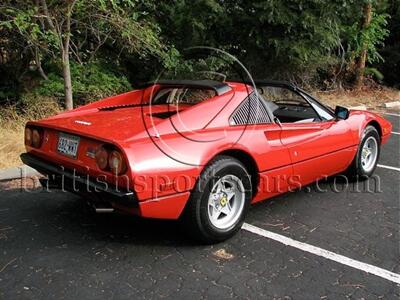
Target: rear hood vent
x=114 y=107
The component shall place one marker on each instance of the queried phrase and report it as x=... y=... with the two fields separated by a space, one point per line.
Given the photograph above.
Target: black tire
x=196 y=218
x=356 y=169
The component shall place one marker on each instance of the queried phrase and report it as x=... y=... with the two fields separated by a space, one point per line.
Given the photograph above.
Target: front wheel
x=367 y=155
x=219 y=201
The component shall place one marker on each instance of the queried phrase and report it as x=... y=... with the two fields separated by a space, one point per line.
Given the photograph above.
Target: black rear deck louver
x=250 y=111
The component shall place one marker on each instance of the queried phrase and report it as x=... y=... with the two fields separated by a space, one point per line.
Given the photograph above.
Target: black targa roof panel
x=271 y=83
x=219 y=87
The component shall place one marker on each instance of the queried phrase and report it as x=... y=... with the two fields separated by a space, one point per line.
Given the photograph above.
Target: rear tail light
x=33 y=137
x=102 y=158
x=108 y=158
x=116 y=162
x=28 y=136
x=37 y=137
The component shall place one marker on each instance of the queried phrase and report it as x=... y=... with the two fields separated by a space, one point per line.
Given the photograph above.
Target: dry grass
x=12 y=123
x=372 y=97
x=11 y=145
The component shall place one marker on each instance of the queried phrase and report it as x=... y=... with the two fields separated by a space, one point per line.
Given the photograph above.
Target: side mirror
x=341 y=113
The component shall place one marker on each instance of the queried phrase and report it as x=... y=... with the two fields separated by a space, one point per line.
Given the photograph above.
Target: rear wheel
x=219 y=202
x=367 y=156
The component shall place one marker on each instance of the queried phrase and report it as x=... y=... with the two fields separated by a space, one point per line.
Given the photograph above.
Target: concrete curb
x=359 y=107
x=17 y=172
x=391 y=104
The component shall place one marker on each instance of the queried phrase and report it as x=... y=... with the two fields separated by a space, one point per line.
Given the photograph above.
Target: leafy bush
x=374 y=73
x=29 y=107
x=91 y=81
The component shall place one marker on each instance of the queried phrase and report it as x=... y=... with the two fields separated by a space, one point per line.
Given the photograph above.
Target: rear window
x=182 y=95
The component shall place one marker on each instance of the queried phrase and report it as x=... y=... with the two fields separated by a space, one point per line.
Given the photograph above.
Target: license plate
x=68 y=144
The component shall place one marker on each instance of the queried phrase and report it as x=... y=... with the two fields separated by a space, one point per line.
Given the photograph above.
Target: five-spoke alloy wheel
x=226 y=201
x=367 y=155
x=219 y=201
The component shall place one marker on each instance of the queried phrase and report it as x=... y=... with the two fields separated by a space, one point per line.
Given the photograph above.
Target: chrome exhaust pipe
x=103 y=208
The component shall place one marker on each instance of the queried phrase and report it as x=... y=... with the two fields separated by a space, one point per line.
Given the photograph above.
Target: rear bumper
x=167 y=207
x=60 y=178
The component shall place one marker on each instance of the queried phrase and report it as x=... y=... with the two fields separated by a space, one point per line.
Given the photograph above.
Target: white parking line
x=388 y=167
x=395 y=132
x=391 y=114
x=324 y=253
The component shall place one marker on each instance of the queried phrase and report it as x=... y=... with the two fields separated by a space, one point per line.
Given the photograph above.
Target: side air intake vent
x=250 y=111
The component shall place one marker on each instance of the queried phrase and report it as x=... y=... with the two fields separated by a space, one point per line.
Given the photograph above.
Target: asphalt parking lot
x=52 y=245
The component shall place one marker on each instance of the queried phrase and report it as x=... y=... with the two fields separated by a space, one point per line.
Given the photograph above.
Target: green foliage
x=390 y=67
x=114 y=42
x=303 y=37
x=36 y=106
x=114 y=21
x=373 y=37
x=91 y=81
x=23 y=18
x=374 y=73
x=76 y=31
x=121 y=23
x=269 y=37
x=199 y=62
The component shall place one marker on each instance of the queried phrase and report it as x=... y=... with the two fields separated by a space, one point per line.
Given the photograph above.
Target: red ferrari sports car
x=201 y=151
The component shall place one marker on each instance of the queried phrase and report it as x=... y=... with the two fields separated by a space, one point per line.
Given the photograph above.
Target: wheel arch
x=248 y=161
x=377 y=126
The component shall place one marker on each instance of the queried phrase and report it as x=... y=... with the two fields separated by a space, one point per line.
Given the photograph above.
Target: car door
x=318 y=144
x=318 y=149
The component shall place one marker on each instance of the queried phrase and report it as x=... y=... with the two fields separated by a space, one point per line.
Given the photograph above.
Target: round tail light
x=102 y=158
x=36 y=138
x=117 y=162
x=28 y=136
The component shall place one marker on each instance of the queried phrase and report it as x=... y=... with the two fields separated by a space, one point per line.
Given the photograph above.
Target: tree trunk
x=39 y=64
x=63 y=33
x=67 y=80
x=69 y=104
x=360 y=66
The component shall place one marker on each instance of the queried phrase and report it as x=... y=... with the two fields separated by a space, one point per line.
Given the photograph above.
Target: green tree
x=365 y=37
x=56 y=27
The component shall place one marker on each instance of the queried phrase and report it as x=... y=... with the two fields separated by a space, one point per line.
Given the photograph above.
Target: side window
x=288 y=106
x=250 y=111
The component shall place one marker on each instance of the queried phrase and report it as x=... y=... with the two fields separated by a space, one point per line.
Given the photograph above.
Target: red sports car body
x=144 y=151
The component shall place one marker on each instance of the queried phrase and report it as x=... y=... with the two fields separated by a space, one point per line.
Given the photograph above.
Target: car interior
x=182 y=95
x=286 y=105
x=180 y=98
x=290 y=107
